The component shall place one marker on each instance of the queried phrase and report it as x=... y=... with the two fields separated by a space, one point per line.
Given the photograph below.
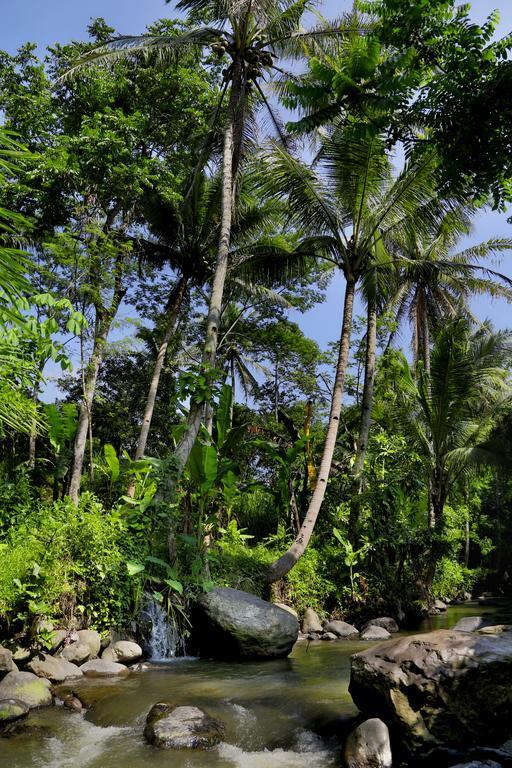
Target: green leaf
x=112 y=461
x=134 y=568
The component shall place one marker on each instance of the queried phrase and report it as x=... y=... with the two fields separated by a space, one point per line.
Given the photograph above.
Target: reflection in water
x=277 y=714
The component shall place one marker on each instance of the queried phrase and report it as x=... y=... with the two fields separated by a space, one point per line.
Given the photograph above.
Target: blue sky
x=48 y=21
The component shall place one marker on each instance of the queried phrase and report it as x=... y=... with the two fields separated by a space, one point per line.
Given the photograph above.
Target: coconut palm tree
x=249 y=36
x=353 y=207
x=185 y=236
x=430 y=285
x=434 y=281
x=449 y=411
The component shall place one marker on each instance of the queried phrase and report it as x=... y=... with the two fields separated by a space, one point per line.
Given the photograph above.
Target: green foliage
x=67 y=563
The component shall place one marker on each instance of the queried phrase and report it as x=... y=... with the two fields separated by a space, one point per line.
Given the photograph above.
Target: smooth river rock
x=123 y=651
x=386 y=622
x=11 y=710
x=373 y=632
x=229 y=623
x=76 y=653
x=441 y=689
x=311 y=622
x=368 y=746
x=26 y=687
x=6 y=661
x=471 y=624
x=341 y=629
x=53 y=668
x=170 y=727
x=104 y=668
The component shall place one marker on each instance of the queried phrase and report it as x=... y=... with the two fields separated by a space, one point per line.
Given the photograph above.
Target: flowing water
x=165 y=642
x=278 y=714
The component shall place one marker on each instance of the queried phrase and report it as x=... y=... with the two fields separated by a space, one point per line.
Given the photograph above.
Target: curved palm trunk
x=365 y=422
x=186 y=443
x=174 y=307
x=84 y=416
x=285 y=563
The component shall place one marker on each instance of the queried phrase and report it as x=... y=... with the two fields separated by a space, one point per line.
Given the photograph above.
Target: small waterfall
x=164 y=641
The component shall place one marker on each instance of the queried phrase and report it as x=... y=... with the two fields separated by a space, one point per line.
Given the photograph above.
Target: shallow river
x=278 y=714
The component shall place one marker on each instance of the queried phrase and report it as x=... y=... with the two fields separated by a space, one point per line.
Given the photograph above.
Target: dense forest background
x=161 y=228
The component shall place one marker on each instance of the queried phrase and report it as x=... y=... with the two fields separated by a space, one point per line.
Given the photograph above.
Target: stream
x=278 y=714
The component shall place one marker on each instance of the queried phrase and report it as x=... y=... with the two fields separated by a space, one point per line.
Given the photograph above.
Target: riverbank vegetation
x=171 y=206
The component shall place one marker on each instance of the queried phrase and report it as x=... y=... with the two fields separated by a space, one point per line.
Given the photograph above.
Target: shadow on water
x=290 y=713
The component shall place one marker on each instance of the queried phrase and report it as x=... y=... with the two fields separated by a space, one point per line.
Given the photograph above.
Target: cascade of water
x=164 y=642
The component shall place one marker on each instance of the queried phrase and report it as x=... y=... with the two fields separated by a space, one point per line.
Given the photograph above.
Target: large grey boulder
x=103 y=668
x=471 y=624
x=123 y=651
x=368 y=746
x=341 y=629
x=441 y=689
x=55 y=669
x=12 y=709
x=386 y=622
x=311 y=622
x=373 y=632
x=31 y=690
x=170 y=727
x=231 y=623
x=6 y=661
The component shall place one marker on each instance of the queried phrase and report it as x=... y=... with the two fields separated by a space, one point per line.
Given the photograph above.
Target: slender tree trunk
x=90 y=378
x=285 y=563
x=364 y=425
x=186 y=443
x=174 y=307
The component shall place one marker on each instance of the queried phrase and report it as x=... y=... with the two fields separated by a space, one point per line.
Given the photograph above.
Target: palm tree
x=249 y=36
x=432 y=284
x=185 y=237
x=450 y=410
x=353 y=208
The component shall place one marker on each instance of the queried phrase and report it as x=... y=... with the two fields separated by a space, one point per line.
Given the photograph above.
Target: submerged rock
x=55 y=669
x=341 y=629
x=368 y=746
x=471 y=624
x=26 y=687
x=170 y=727
x=123 y=651
x=442 y=689
x=386 y=622
x=12 y=709
x=373 y=632
x=104 y=668
x=231 y=623
x=311 y=622
x=73 y=703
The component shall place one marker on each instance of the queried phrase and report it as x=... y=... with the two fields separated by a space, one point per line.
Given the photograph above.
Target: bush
x=453 y=579
x=67 y=563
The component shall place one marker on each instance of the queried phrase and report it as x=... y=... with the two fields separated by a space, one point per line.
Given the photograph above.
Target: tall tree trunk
x=90 y=378
x=285 y=563
x=186 y=443
x=173 y=310
x=364 y=425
